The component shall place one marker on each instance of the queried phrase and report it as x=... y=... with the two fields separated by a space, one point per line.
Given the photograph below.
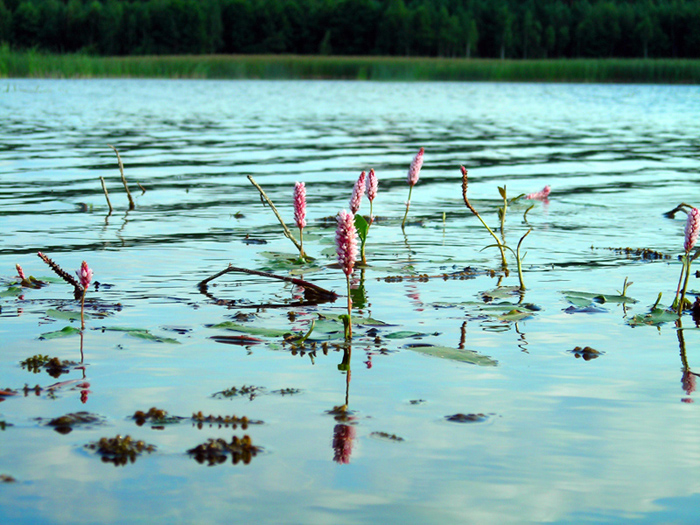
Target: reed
x=33 y=64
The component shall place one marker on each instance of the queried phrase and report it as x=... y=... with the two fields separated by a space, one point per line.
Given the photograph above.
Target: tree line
x=442 y=28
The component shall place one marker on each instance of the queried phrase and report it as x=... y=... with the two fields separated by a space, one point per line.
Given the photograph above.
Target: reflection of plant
x=120 y=450
x=692 y=229
x=343 y=437
x=412 y=179
x=215 y=451
x=346 y=248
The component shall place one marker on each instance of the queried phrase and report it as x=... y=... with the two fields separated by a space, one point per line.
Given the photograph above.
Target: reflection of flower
x=688 y=381
x=692 y=229
x=540 y=195
x=357 y=192
x=343 y=436
x=346 y=241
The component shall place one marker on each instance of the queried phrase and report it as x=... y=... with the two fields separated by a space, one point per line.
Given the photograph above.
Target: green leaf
x=65 y=332
x=67 y=316
x=597 y=297
x=362 y=226
x=454 y=354
x=142 y=333
x=250 y=330
x=403 y=334
x=12 y=291
x=516 y=314
x=656 y=317
x=502 y=191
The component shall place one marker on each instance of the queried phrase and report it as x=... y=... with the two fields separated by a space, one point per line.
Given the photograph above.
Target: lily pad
x=12 y=291
x=516 y=314
x=251 y=330
x=403 y=334
x=142 y=333
x=67 y=316
x=64 y=332
x=579 y=297
x=656 y=317
x=454 y=354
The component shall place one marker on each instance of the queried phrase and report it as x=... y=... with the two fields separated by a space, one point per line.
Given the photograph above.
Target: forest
x=512 y=29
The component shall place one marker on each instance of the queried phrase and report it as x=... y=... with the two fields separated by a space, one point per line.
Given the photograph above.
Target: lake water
x=550 y=435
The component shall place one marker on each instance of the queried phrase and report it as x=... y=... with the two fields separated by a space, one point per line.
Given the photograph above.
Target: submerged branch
x=312 y=291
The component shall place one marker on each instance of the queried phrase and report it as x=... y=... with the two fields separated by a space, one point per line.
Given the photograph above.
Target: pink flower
x=540 y=195
x=372 y=185
x=343 y=436
x=346 y=241
x=692 y=228
x=20 y=272
x=357 y=193
x=416 y=165
x=84 y=275
x=300 y=204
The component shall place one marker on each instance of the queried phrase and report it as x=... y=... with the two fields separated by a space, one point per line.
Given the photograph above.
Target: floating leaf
x=454 y=354
x=65 y=332
x=66 y=316
x=242 y=340
x=251 y=330
x=598 y=297
x=142 y=333
x=12 y=291
x=403 y=334
x=656 y=317
x=590 y=309
x=516 y=314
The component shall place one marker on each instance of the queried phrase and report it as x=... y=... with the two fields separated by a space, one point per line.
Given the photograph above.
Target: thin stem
x=408 y=205
x=520 y=262
x=685 y=284
x=104 y=188
x=301 y=243
x=121 y=170
x=82 y=311
x=349 y=334
x=503 y=216
x=287 y=232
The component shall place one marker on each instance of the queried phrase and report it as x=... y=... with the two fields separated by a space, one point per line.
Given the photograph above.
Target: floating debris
x=387 y=436
x=64 y=424
x=467 y=418
x=156 y=416
x=587 y=353
x=120 y=450
x=215 y=451
x=4 y=478
x=645 y=254
x=223 y=421
x=287 y=391
x=251 y=391
x=53 y=365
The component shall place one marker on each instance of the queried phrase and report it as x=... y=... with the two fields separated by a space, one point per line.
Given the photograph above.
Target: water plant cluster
x=333 y=333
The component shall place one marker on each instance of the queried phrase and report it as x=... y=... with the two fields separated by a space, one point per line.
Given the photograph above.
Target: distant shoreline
x=31 y=64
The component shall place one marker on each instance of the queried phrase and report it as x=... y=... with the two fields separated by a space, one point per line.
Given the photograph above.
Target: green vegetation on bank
x=38 y=65
x=522 y=29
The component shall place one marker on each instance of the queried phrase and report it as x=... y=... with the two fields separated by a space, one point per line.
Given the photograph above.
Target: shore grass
x=32 y=64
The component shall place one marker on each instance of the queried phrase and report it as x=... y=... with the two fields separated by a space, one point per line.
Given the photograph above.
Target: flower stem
x=685 y=283
x=348 y=335
x=82 y=311
x=408 y=205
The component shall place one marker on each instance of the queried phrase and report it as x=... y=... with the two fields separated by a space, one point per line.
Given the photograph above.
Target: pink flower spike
x=416 y=165
x=20 y=272
x=300 y=204
x=540 y=195
x=84 y=275
x=357 y=192
x=372 y=185
x=346 y=241
x=692 y=229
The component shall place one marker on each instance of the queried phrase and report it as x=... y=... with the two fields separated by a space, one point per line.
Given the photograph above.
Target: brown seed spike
x=78 y=289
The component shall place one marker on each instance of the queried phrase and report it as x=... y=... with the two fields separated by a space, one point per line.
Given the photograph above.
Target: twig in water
x=121 y=170
x=104 y=188
x=314 y=290
x=287 y=232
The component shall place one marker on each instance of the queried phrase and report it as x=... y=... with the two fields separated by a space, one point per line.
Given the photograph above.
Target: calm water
x=556 y=438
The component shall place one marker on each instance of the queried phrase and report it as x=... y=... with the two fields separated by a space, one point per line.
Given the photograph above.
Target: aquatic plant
x=357 y=192
x=77 y=288
x=692 y=229
x=85 y=276
x=362 y=225
x=541 y=195
x=412 y=179
x=346 y=248
x=120 y=450
x=300 y=213
x=215 y=451
x=343 y=438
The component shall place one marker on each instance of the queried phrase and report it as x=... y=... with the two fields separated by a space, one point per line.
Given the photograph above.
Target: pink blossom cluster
x=540 y=195
x=414 y=169
x=84 y=275
x=346 y=241
x=372 y=185
x=300 y=204
x=692 y=229
x=357 y=192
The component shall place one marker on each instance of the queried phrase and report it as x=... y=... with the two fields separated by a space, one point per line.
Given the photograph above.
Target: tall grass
x=31 y=64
